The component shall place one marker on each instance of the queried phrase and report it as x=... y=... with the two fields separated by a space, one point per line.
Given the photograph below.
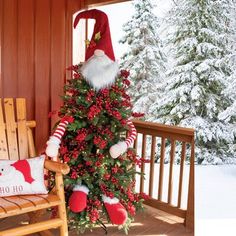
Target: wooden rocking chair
x=16 y=142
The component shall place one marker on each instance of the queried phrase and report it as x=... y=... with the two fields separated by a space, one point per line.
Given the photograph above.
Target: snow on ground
x=215 y=196
x=215 y=200
x=165 y=183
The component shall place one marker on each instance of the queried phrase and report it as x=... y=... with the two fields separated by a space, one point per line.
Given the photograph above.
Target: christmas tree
x=145 y=57
x=194 y=88
x=95 y=119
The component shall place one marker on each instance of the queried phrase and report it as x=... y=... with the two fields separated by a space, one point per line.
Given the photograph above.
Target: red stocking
x=116 y=211
x=78 y=199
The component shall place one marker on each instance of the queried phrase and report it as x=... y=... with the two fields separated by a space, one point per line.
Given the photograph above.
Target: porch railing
x=151 y=133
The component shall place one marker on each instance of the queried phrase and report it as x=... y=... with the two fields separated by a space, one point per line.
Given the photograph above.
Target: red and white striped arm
x=131 y=134
x=121 y=147
x=53 y=144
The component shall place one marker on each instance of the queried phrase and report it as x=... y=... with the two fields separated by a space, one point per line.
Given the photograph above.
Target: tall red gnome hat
x=101 y=38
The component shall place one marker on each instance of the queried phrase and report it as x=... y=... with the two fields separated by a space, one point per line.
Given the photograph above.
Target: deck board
x=150 y=222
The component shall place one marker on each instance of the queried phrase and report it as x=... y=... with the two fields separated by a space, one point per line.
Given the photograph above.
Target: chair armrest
x=57 y=167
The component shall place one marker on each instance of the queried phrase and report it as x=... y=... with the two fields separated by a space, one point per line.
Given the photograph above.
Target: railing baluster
x=189 y=220
x=136 y=143
x=183 y=156
x=170 y=186
x=143 y=164
x=152 y=162
x=161 y=173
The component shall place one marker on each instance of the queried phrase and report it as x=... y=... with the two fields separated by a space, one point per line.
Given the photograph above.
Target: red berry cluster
x=100 y=142
x=124 y=73
x=131 y=209
x=116 y=114
x=76 y=75
x=106 y=132
x=92 y=208
x=93 y=215
x=104 y=92
x=81 y=135
x=93 y=112
x=137 y=114
x=90 y=95
x=73 y=67
x=126 y=82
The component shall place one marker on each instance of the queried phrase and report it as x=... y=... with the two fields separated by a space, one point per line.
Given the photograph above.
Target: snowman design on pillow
x=19 y=170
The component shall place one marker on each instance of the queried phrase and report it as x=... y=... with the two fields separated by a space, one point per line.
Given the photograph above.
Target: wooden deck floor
x=148 y=223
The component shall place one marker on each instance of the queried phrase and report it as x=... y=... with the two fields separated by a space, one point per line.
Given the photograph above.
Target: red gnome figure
x=93 y=143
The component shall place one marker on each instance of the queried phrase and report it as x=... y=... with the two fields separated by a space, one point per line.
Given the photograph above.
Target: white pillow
x=22 y=177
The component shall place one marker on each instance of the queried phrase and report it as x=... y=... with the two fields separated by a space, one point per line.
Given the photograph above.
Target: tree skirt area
x=215 y=200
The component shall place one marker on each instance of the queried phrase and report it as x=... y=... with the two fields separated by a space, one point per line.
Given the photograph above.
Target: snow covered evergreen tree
x=144 y=58
x=229 y=114
x=194 y=95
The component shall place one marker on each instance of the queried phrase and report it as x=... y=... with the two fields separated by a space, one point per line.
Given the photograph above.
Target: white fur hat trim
x=81 y=188
x=109 y=200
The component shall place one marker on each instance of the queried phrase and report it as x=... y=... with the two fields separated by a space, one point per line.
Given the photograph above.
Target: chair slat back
x=14 y=143
x=11 y=129
x=3 y=138
x=22 y=129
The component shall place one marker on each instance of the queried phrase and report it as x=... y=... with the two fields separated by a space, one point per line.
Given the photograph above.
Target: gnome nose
x=99 y=53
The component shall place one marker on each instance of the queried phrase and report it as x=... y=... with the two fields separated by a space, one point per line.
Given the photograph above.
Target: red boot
x=78 y=199
x=116 y=211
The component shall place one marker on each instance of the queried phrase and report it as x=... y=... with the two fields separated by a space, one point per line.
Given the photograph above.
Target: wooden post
x=189 y=221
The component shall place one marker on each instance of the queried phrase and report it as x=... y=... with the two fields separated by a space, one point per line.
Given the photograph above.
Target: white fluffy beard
x=100 y=71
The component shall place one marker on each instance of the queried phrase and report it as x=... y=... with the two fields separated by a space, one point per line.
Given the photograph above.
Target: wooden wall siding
x=35 y=49
x=94 y=3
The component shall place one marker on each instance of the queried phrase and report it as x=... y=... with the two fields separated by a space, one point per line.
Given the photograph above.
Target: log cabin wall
x=35 y=49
